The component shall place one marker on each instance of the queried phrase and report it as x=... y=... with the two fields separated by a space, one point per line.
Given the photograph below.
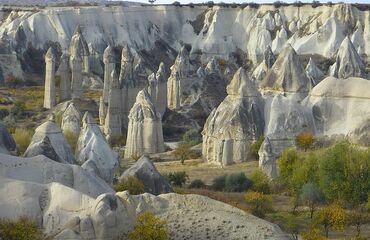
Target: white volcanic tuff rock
x=7 y=143
x=269 y=59
x=161 y=98
x=357 y=39
x=109 y=65
x=287 y=74
x=267 y=159
x=146 y=172
x=102 y=111
x=65 y=78
x=93 y=151
x=340 y=106
x=66 y=212
x=50 y=92
x=113 y=120
x=40 y=169
x=213 y=67
x=58 y=142
x=348 y=63
x=78 y=43
x=280 y=40
x=314 y=73
x=76 y=69
x=285 y=118
x=144 y=133
x=92 y=82
x=178 y=79
x=235 y=124
x=71 y=120
x=261 y=40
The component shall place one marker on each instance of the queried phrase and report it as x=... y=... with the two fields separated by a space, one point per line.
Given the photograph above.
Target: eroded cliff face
x=217 y=31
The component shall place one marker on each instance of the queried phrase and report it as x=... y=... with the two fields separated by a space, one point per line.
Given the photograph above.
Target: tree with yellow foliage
x=331 y=216
x=304 y=140
x=148 y=226
x=261 y=203
x=313 y=234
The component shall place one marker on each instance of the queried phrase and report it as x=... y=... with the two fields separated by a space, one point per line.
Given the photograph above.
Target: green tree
x=177 y=178
x=261 y=203
x=149 y=227
x=311 y=196
x=331 y=216
x=131 y=184
x=21 y=229
x=287 y=165
x=260 y=182
x=183 y=151
x=358 y=217
x=313 y=234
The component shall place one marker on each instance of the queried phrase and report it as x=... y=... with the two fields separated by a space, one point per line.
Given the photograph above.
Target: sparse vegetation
x=177 y=179
x=260 y=182
x=183 y=151
x=22 y=138
x=21 y=229
x=255 y=147
x=197 y=183
x=148 y=226
x=305 y=140
x=132 y=184
x=10 y=123
x=71 y=139
x=261 y=203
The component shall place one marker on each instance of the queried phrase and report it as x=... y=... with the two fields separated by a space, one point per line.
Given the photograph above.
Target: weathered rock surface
x=50 y=92
x=146 y=172
x=109 y=60
x=58 y=142
x=64 y=72
x=269 y=59
x=348 y=63
x=144 y=133
x=314 y=73
x=267 y=159
x=71 y=120
x=78 y=43
x=93 y=151
x=235 y=124
x=287 y=74
x=7 y=143
x=76 y=63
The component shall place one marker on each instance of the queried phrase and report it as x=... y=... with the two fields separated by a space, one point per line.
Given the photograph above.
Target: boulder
x=94 y=153
x=57 y=141
x=236 y=123
x=71 y=120
x=147 y=173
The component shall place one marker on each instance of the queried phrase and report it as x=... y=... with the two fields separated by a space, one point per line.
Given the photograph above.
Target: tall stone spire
x=76 y=67
x=65 y=78
x=109 y=66
x=113 y=121
x=78 y=41
x=161 y=98
x=102 y=111
x=50 y=94
x=127 y=64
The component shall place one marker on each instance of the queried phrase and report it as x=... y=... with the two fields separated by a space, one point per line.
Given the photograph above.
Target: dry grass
x=32 y=96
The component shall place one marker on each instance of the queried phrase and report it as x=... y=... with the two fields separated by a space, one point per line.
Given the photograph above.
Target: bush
x=132 y=184
x=192 y=137
x=255 y=147
x=183 y=151
x=21 y=229
x=71 y=139
x=235 y=182
x=304 y=140
x=260 y=182
x=148 y=226
x=261 y=203
x=22 y=138
x=331 y=216
x=197 y=183
x=177 y=178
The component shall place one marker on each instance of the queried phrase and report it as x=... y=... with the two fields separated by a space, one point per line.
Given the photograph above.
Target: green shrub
x=197 y=183
x=235 y=182
x=22 y=138
x=132 y=184
x=177 y=179
x=18 y=108
x=21 y=229
x=71 y=139
x=192 y=137
x=260 y=182
x=218 y=183
x=261 y=203
x=148 y=226
x=255 y=147
x=183 y=151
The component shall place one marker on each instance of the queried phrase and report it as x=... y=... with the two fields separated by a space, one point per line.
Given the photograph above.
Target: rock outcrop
x=78 y=43
x=71 y=120
x=178 y=78
x=314 y=73
x=348 y=63
x=109 y=60
x=113 y=120
x=161 y=99
x=50 y=92
x=57 y=141
x=76 y=69
x=102 y=111
x=287 y=74
x=269 y=59
x=236 y=123
x=144 y=133
x=94 y=153
x=147 y=173
x=267 y=159
x=64 y=72
x=7 y=143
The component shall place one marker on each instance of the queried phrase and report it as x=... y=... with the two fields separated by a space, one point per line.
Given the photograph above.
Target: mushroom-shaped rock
x=348 y=63
x=287 y=74
x=93 y=151
x=145 y=133
x=267 y=159
x=7 y=143
x=314 y=73
x=57 y=141
x=235 y=124
x=147 y=173
x=71 y=119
